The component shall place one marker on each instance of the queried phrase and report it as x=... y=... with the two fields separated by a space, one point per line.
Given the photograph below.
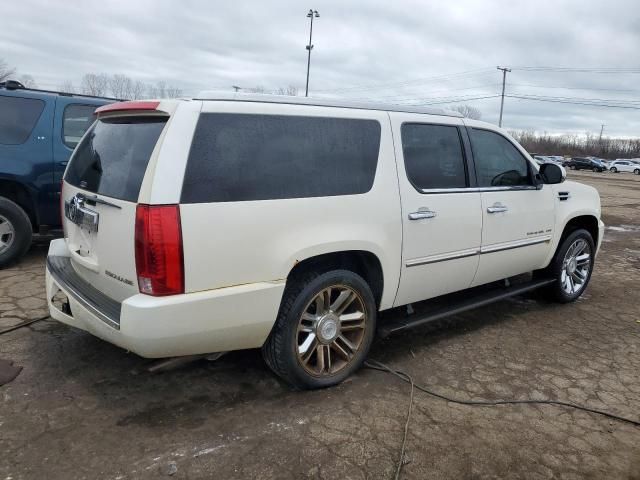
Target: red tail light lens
x=158 y=242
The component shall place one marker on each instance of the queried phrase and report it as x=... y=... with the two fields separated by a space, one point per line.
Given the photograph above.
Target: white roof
x=322 y=102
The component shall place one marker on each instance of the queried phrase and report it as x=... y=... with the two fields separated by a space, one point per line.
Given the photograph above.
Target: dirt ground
x=80 y=410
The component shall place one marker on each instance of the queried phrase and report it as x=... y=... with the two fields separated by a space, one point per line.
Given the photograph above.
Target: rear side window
x=76 y=119
x=498 y=162
x=240 y=157
x=433 y=156
x=112 y=158
x=18 y=116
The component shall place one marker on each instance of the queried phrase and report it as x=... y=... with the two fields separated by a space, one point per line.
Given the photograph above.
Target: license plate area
x=77 y=213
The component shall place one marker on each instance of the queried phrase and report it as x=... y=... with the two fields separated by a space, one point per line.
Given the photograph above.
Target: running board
x=474 y=298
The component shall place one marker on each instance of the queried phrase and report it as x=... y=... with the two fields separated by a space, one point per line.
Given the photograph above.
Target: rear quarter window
x=18 y=116
x=76 y=119
x=112 y=158
x=243 y=157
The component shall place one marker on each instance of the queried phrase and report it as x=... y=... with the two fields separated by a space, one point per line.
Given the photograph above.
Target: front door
x=441 y=214
x=518 y=214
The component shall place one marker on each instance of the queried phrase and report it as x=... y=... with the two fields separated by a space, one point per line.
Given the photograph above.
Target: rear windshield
x=113 y=156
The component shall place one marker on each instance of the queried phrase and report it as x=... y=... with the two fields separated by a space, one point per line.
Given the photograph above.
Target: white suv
x=625 y=166
x=225 y=223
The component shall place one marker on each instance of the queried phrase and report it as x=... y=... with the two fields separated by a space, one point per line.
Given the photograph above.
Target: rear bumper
x=224 y=319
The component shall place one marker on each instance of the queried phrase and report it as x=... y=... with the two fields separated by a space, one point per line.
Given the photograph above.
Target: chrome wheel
x=7 y=234
x=331 y=330
x=575 y=267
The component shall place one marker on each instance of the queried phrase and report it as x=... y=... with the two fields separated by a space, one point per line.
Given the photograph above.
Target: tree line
x=578 y=145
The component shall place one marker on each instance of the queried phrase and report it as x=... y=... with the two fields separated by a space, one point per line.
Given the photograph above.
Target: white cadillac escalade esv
x=225 y=223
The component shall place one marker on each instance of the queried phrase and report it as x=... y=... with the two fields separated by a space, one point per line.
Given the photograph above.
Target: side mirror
x=552 y=173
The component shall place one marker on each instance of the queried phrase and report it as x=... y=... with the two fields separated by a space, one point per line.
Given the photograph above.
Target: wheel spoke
x=320 y=357
x=351 y=321
x=5 y=228
x=571 y=284
x=322 y=302
x=343 y=301
x=308 y=344
x=583 y=259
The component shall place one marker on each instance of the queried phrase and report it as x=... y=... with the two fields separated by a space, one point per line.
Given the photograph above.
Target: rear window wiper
x=95 y=199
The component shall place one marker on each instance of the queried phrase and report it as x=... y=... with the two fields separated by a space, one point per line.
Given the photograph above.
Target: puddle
x=624 y=228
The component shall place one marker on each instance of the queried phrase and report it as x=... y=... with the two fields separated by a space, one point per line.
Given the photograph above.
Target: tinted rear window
x=239 y=157
x=433 y=156
x=18 y=116
x=112 y=158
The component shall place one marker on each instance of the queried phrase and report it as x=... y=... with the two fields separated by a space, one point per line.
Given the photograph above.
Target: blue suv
x=38 y=131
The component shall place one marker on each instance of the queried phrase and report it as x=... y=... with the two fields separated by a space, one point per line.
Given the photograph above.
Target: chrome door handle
x=422 y=213
x=497 y=207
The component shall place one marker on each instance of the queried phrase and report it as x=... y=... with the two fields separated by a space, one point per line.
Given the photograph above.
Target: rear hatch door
x=100 y=195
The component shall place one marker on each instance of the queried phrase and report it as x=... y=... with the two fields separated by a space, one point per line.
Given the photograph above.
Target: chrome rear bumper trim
x=103 y=307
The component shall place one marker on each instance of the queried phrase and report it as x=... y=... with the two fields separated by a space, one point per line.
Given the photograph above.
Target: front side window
x=244 y=157
x=18 y=116
x=433 y=156
x=76 y=119
x=498 y=162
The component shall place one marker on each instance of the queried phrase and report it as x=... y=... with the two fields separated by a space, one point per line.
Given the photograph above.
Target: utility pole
x=504 y=80
x=235 y=87
x=601 y=130
x=311 y=14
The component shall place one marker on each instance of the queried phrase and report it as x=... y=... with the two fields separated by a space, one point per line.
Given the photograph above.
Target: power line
x=442 y=102
x=418 y=81
x=575 y=88
x=604 y=70
x=543 y=99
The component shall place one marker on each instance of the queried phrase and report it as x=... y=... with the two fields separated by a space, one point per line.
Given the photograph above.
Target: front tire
x=15 y=232
x=614 y=170
x=572 y=266
x=324 y=329
x=637 y=171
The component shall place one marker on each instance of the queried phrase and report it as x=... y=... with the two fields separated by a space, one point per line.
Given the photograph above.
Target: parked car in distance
x=38 y=131
x=584 y=163
x=622 y=165
x=288 y=224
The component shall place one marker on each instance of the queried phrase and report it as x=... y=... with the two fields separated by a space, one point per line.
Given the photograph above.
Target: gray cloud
x=390 y=51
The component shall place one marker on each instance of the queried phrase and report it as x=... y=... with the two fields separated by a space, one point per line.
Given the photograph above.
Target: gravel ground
x=80 y=409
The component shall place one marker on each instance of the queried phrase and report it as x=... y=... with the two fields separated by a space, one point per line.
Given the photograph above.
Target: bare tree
x=95 y=84
x=120 y=86
x=137 y=90
x=291 y=91
x=256 y=89
x=67 y=87
x=5 y=70
x=173 y=92
x=468 y=111
x=28 y=81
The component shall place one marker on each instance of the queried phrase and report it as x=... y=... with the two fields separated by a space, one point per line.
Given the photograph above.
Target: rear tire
x=324 y=329
x=571 y=267
x=637 y=171
x=614 y=170
x=15 y=232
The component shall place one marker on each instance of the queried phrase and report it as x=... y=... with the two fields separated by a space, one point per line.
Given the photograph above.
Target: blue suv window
x=76 y=119
x=18 y=116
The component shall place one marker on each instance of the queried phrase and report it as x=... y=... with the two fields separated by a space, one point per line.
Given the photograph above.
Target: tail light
x=158 y=244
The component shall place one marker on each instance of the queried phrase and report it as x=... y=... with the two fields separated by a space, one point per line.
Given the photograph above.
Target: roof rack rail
x=15 y=85
x=213 y=95
x=11 y=84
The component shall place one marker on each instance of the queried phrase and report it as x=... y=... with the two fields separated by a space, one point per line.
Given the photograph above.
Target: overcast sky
x=411 y=52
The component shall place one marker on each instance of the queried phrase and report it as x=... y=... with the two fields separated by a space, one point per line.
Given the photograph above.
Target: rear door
x=100 y=193
x=518 y=215
x=441 y=212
